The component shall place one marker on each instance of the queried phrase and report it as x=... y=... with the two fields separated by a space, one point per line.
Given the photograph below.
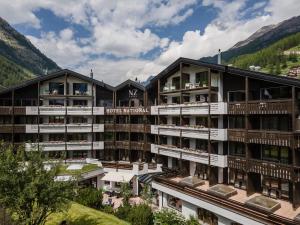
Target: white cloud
x=62 y=48
x=124 y=30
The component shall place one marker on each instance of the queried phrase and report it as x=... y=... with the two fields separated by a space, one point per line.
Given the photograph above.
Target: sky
x=125 y=39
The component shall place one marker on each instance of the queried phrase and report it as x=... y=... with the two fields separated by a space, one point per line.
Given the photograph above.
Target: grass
x=62 y=169
x=82 y=215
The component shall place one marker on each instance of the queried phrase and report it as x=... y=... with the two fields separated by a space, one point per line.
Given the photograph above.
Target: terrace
x=255 y=204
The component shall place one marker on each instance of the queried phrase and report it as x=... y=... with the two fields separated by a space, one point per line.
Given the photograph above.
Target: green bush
x=107 y=209
x=168 y=217
x=123 y=211
x=192 y=221
x=90 y=197
x=140 y=215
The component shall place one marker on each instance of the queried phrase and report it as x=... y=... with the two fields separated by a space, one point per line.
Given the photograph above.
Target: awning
x=118 y=177
x=148 y=177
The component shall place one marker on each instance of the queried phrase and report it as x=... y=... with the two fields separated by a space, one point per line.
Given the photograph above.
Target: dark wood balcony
x=271 y=169
x=261 y=107
x=109 y=145
x=279 y=138
x=238 y=135
x=140 y=128
x=109 y=127
x=9 y=128
x=236 y=162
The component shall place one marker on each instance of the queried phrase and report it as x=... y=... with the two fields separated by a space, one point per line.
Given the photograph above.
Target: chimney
x=91 y=74
x=219 y=57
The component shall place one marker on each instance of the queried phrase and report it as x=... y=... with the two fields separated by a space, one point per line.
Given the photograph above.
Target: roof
x=54 y=75
x=132 y=83
x=226 y=69
x=118 y=177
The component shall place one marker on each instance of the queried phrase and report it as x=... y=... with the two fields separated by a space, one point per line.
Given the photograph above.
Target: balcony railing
x=277 y=170
x=193 y=108
x=61 y=128
x=270 y=169
x=270 y=137
x=261 y=107
x=280 y=138
x=190 y=155
x=140 y=128
x=190 y=132
x=62 y=146
x=133 y=145
x=61 y=110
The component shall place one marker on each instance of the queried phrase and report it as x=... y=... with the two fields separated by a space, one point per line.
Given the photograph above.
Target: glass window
x=175 y=203
x=56 y=119
x=80 y=88
x=237 y=149
x=79 y=102
x=56 y=88
x=202 y=78
x=56 y=102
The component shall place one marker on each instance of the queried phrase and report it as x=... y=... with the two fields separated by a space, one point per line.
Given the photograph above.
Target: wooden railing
x=261 y=107
x=277 y=170
x=109 y=145
x=117 y=165
x=141 y=128
x=280 y=138
x=235 y=162
x=271 y=169
x=238 y=135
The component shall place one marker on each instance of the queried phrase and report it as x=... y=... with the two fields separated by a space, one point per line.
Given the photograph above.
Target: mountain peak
x=18 y=49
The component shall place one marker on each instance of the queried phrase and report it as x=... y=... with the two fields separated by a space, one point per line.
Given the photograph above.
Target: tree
x=28 y=190
x=168 y=217
x=90 y=196
x=271 y=71
x=277 y=69
x=147 y=194
x=125 y=193
x=140 y=215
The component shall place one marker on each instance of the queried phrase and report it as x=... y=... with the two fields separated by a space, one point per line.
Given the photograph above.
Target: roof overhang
x=120 y=177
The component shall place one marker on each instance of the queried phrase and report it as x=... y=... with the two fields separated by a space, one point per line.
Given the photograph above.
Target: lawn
x=81 y=215
x=62 y=169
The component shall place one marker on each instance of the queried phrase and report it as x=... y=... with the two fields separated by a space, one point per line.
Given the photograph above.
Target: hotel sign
x=133 y=93
x=127 y=111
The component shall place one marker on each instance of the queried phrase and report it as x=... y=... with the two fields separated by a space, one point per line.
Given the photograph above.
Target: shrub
x=140 y=215
x=123 y=212
x=168 y=217
x=90 y=197
x=192 y=221
x=107 y=209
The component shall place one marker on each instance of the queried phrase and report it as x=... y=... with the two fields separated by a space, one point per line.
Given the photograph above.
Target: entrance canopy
x=118 y=177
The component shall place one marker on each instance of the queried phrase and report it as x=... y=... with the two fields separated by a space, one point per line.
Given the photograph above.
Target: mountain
x=260 y=39
x=20 y=57
x=277 y=58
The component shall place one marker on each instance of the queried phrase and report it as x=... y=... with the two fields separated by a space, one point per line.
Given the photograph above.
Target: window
x=201 y=98
x=237 y=122
x=80 y=102
x=176 y=82
x=237 y=149
x=201 y=145
x=78 y=137
x=175 y=203
x=80 y=154
x=56 y=119
x=202 y=78
x=80 y=119
x=80 y=88
x=236 y=96
x=56 y=137
x=56 y=102
x=56 y=88
x=275 y=154
x=176 y=100
x=201 y=121
x=276 y=93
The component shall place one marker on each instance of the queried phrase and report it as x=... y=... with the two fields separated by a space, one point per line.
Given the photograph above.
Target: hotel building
x=227 y=139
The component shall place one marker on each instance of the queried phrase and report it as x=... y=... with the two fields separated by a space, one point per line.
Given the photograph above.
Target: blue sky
x=133 y=38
